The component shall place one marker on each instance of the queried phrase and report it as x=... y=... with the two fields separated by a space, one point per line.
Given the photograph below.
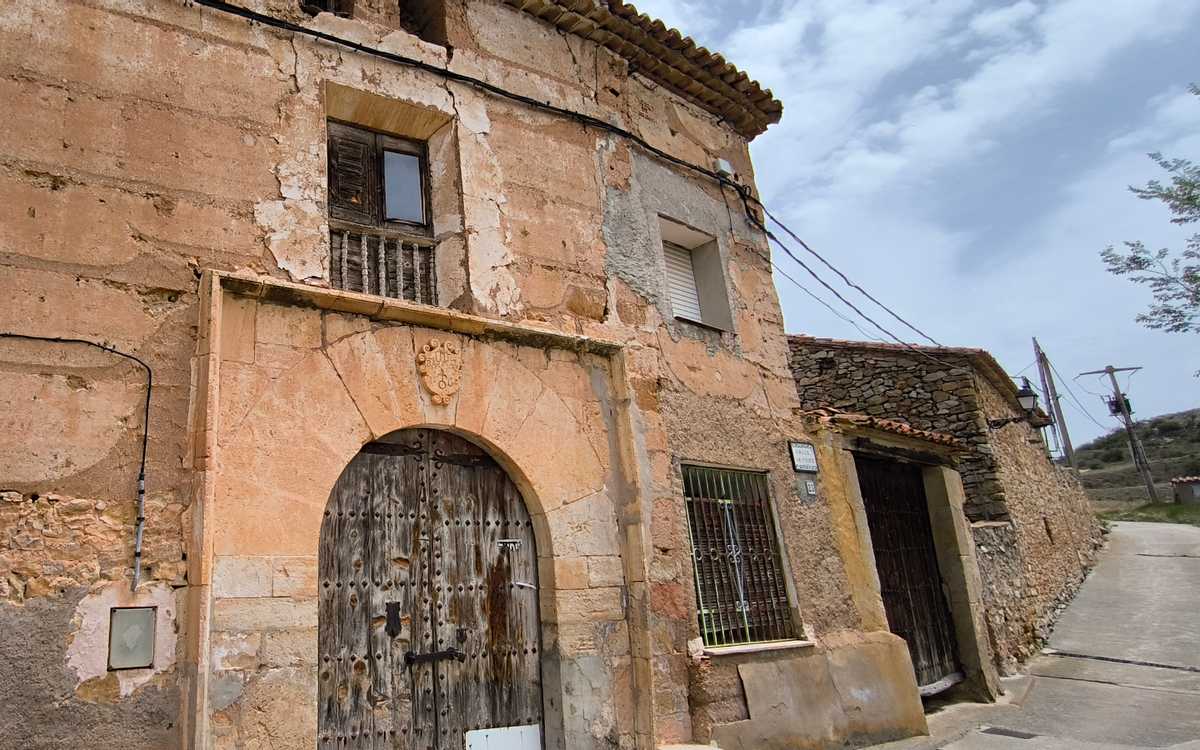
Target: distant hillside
x=1172 y=443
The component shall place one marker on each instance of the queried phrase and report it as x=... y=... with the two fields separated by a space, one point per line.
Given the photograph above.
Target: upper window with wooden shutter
x=379 y=215
x=376 y=179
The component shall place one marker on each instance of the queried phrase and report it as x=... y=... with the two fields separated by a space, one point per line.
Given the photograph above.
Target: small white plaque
x=506 y=738
x=811 y=486
x=804 y=457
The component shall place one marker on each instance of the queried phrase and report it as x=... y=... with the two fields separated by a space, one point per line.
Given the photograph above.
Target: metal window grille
x=741 y=596
x=379 y=264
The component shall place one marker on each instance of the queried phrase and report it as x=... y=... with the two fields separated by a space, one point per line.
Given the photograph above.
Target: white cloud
x=891 y=104
x=691 y=17
x=1174 y=114
x=1072 y=42
x=1003 y=22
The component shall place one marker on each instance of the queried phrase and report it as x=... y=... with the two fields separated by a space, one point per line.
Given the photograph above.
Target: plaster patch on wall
x=296 y=175
x=493 y=284
x=470 y=110
x=295 y=230
x=76 y=423
x=87 y=654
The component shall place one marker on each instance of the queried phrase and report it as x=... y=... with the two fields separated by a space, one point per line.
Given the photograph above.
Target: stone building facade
x=177 y=179
x=1033 y=529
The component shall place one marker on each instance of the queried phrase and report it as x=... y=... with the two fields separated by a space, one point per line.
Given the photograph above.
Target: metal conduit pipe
x=140 y=527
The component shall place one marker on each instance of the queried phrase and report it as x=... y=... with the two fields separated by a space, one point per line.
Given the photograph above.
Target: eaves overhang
x=665 y=56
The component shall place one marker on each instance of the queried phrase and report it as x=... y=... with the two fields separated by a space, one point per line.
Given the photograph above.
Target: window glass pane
x=131 y=638
x=403 y=196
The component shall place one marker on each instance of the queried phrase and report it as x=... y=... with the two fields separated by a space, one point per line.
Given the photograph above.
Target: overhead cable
x=1078 y=403
x=827 y=306
x=843 y=276
x=141 y=480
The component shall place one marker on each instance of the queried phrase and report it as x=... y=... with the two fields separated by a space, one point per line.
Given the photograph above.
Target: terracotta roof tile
x=665 y=56
x=831 y=416
x=1185 y=480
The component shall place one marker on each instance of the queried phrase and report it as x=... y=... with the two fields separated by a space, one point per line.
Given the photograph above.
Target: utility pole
x=1043 y=363
x=1135 y=445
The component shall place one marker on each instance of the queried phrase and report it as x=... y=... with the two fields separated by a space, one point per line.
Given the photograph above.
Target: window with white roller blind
x=695 y=275
x=681 y=283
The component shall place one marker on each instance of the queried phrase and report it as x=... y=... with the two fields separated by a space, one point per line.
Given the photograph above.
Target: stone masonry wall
x=1034 y=532
x=1050 y=543
x=930 y=393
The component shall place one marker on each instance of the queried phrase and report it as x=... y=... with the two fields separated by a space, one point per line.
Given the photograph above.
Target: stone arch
x=291 y=442
x=428 y=575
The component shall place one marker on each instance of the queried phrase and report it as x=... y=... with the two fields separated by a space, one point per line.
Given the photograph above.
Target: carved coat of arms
x=440 y=364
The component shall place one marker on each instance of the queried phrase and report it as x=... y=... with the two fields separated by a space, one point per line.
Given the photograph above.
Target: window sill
x=701 y=324
x=754 y=648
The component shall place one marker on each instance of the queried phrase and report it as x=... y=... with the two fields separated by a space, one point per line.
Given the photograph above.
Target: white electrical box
x=506 y=738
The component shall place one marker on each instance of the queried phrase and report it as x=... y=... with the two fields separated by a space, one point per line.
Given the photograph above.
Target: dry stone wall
x=1034 y=565
x=937 y=393
x=1034 y=531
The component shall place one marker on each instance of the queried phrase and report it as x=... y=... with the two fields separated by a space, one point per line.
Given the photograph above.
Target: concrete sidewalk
x=1122 y=669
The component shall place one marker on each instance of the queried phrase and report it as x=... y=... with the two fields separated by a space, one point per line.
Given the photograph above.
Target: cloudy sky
x=967 y=160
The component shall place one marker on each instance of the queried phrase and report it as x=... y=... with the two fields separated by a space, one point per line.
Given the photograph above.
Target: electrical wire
x=827 y=306
x=141 y=481
x=1100 y=396
x=843 y=276
x=746 y=198
x=594 y=122
x=1078 y=403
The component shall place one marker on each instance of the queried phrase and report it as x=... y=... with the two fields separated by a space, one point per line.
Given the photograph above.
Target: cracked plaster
x=87 y=654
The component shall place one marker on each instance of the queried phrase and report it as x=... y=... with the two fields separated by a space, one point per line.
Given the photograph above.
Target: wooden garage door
x=909 y=579
x=429 y=624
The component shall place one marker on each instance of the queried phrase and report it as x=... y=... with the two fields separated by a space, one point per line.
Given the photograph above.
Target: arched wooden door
x=429 y=626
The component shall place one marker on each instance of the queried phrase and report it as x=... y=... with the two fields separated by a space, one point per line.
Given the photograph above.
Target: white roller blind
x=681 y=282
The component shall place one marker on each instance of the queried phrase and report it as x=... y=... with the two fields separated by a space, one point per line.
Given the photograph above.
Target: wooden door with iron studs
x=429 y=631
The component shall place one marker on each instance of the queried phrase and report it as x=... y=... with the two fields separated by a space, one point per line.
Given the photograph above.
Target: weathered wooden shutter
x=741 y=594
x=681 y=282
x=353 y=174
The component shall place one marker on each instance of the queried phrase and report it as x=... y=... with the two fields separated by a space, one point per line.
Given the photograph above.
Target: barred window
x=741 y=596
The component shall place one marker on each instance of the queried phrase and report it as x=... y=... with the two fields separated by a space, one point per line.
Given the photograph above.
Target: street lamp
x=1027 y=398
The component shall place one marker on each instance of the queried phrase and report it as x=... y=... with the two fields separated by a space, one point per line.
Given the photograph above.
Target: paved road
x=1122 y=669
